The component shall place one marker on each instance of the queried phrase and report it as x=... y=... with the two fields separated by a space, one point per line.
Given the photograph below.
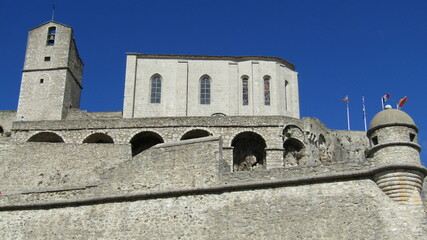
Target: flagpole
x=348 y=115
x=382 y=102
x=53 y=11
x=364 y=111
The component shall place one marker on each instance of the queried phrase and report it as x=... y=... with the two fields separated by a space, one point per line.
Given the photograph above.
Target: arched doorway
x=248 y=151
x=196 y=133
x=46 y=137
x=293 y=152
x=98 y=138
x=144 y=140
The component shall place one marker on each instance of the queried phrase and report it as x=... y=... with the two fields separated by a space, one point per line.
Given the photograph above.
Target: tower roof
x=48 y=23
x=389 y=117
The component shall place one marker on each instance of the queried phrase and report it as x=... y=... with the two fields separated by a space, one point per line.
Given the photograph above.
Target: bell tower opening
x=51 y=36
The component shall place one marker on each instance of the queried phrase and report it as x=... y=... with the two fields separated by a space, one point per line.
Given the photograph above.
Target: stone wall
x=44 y=166
x=320 y=145
x=346 y=210
x=6 y=119
x=185 y=164
x=77 y=114
x=184 y=190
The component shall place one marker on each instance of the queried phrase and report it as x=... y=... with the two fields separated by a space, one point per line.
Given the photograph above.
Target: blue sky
x=356 y=48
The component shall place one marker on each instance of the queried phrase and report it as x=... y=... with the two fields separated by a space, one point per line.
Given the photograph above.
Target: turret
x=394 y=146
x=52 y=74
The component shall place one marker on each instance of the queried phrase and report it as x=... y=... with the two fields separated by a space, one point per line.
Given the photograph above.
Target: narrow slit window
x=51 y=36
x=41 y=81
x=375 y=141
x=156 y=89
x=287 y=95
x=205 y=90
x=267 y=91
x=46 y=59
x=411 y=137
x=245 y=91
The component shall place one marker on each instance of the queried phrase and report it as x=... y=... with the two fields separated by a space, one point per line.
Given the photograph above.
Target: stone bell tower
x=52 y=74
x=393 y=137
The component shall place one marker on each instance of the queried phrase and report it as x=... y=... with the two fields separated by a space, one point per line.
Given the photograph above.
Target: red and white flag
x=386 y=97
x=345 y=99
x=402 y=102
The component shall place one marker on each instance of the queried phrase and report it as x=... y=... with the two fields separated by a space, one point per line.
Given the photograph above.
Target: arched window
x=205 y=90
x=196 y=133
x=266 y=90
x=143 y=141
x=287 y=95
x=156 y=89
x=46 y=137
x=245 y=91
x=51 y=36
x=248 y=151
x=98 y=138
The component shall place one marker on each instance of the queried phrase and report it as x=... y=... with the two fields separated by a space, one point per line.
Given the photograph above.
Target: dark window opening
x=322 y=139
x=267 y=91
x=1 y=131
x=248 y=151
x=245 y=91
x=411 y=137
x=98 y=138
x=143 y=141
x=46 y=137
x=46 y=59
x=375 y=141
x=41 y=81
x=196 y=133
x=51 y=36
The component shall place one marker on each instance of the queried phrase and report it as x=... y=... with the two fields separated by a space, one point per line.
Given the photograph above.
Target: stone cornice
x=205 y=57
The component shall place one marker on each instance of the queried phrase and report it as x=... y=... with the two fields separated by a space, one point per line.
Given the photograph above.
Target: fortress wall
x=185 y=164
x=337 y=146
x=341 y=210
x=354 y=145
x=77 y=114
x=6 y=119
x=37 y=166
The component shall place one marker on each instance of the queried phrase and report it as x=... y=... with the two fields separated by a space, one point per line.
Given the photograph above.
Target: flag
x=345 y=99
x=402 y=102
x=385 y=97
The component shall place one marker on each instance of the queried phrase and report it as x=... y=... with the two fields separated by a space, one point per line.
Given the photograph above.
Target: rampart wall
x=183 y=190
x=27 y=167
x=349 y=210
x=335 y=146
